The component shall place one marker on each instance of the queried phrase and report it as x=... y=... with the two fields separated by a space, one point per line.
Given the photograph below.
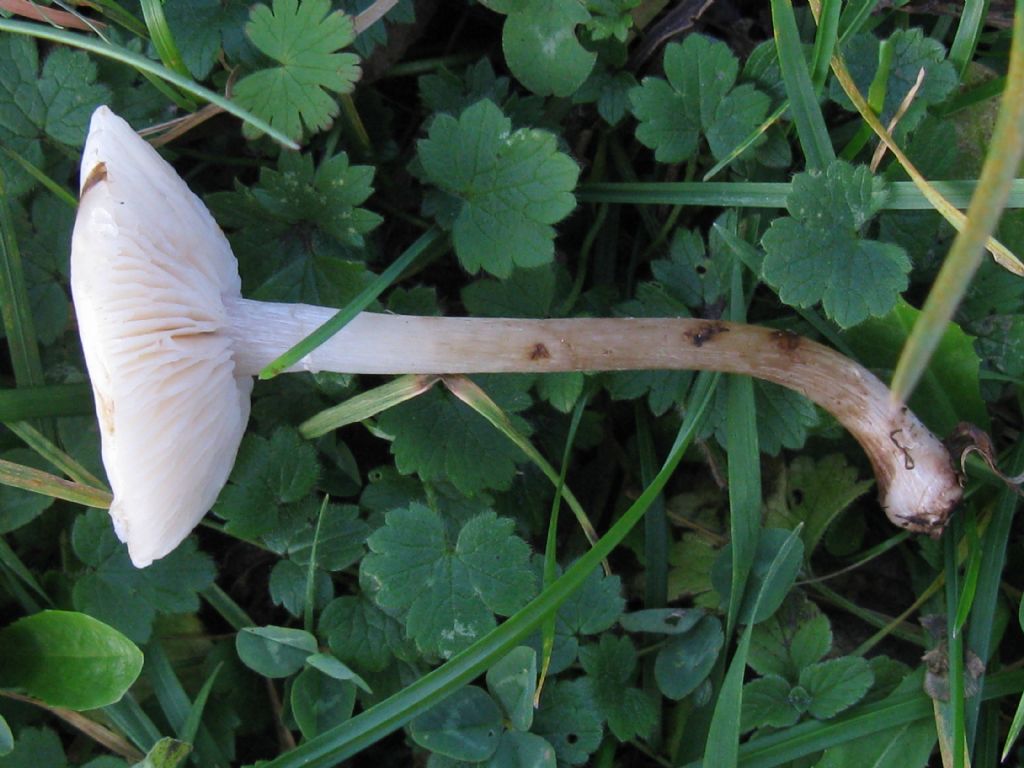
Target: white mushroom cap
x=149 y=270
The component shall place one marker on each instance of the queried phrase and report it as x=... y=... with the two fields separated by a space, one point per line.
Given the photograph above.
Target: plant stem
x=917 y=483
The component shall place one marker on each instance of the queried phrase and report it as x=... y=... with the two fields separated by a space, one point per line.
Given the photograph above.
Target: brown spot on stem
x=705 y=332
x=96 y=175
x=539 y=352
x=908 y=460
x=787 y=341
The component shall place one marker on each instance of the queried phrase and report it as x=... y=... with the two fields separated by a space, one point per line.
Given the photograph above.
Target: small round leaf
x=274 y=651
x=465 y=726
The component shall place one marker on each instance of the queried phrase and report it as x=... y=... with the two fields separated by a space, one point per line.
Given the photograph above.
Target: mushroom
x=171 y=348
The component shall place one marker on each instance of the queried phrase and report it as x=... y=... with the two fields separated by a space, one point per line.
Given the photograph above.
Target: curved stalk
x=918 y=486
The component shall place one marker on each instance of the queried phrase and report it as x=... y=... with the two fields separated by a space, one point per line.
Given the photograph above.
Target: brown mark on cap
x=539 y=352
x=705 y=332
x=787 y=341
x=96 y=175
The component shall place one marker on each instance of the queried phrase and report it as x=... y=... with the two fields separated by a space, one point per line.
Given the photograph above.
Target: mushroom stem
x=918 y=486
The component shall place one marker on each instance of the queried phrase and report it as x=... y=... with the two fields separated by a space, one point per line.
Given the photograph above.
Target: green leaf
x=361 y=634
x=783 y=417
x=513 y=682
x=663 y=388
x=630 y=712
x=68 y=660
x=320 y=702
x=523 y=293
x=201 y=26
x=288 y=587
x=796 y=636
x=274 y=651
x=523 y=750
x=911 y=52
x=540 y=45
x=561 y=390
x=450 y=93
x=268 y=475
x=814 y=493
x=510 y=187
x=295 y=230
x=592 y=609
x=335 y=669
x=35 y=748
x=817 y=255
x=836 y=684
x=949 y=390
x=304 y=37
x=55 y=102
x=465 y=726
x=768 y=596
x=569 y=721
x=691 y=559
x=697 y=98
x=766 y=702
x=442 y=439
x=448 y=594
x=19 y=506
x=692 y=274
x=7 y=738
x=129 y=598
x=166 y=753
x=686 y=660
x=664 y=621
x=342 y=539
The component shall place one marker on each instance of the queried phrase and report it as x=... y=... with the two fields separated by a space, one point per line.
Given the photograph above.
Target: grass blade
x=175 y=703
x=51 y=400
x=195 y=714
x=10 y=560
x=473 y=396
x=903 y=195
x=547 y=630
x=349 y=738
x=133 y=722
x=803 y=101
x=62 y=461
x=723 y=737
x=58 y=191
x=14 y=304
x=37 y=481
x=307 y=613
x=968 y=32
x=424 y=242
x=997 y=173
x=367 y=404
x=986 y=599
x=160 y=34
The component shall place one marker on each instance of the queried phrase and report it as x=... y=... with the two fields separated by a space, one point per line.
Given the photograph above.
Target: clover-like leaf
x=129 y=598
x=817 y=253
x=509 y=187
x=304 y=37
x=697 y=98
x=610 y=663
x=442 y=439
x=836 y=684
x=911 y=52
x=569 y=720
x=447 y=591
x=53 y=101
